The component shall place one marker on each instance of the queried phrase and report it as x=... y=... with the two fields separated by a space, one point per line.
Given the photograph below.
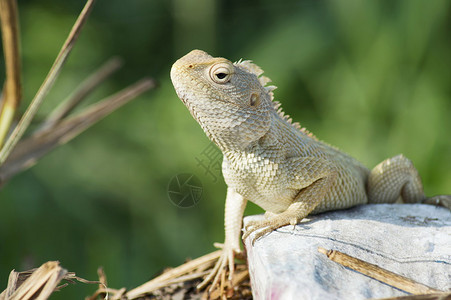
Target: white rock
x=412 y=240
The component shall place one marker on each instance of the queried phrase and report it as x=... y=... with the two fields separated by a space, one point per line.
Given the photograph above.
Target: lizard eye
x=221 y=72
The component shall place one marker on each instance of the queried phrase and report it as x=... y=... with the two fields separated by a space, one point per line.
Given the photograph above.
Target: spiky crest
x=249 y=66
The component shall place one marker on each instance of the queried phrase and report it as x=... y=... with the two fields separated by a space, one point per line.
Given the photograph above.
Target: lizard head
x=229 y=100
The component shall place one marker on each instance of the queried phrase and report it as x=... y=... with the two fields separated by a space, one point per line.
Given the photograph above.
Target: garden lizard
x=272 y=161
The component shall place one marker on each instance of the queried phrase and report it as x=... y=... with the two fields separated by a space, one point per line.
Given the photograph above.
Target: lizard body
x=273 y=162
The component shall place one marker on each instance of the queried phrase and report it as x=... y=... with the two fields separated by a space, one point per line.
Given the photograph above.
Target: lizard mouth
x=183 y=98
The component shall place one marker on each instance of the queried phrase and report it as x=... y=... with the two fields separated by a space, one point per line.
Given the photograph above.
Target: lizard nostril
x=190 y=66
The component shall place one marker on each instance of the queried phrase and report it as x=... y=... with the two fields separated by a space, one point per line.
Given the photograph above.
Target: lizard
x=272 y=161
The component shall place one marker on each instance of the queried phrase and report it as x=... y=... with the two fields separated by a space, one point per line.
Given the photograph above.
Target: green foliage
x=371 y=77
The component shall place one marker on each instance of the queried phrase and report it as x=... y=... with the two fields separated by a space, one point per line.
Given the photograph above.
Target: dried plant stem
x=433 y=296
x=45 y=279
x=29 y=150
x=39 y=283
x=378 y=273
x=82 y=91
x=12 y=86
x=238 y=277
x=24 y=122
x=166 y=278
x=96 y=111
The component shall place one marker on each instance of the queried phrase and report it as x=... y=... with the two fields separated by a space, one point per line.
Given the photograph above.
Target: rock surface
x=413 y=240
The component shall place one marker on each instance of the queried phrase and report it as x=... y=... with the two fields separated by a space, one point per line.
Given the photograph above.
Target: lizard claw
x=439 y=200
x=227 y=259
x=265 y=226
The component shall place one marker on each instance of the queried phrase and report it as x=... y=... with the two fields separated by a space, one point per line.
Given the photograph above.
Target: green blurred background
x=371 y=77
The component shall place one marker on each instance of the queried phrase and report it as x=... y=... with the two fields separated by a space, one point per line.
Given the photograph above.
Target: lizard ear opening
x=221 y=72
x=254 y=100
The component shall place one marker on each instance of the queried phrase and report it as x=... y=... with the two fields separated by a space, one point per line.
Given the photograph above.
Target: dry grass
x=177 y=282
x=39 y=283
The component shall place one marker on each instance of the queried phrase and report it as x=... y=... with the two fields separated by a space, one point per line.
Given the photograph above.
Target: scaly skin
x=272 y=162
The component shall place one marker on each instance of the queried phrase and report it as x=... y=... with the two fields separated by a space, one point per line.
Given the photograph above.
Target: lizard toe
x=253 y=226
x=263 y=227
x=439 y=200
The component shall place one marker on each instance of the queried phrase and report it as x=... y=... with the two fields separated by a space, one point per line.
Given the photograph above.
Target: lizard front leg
x=234 y=209
x=304 y=203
